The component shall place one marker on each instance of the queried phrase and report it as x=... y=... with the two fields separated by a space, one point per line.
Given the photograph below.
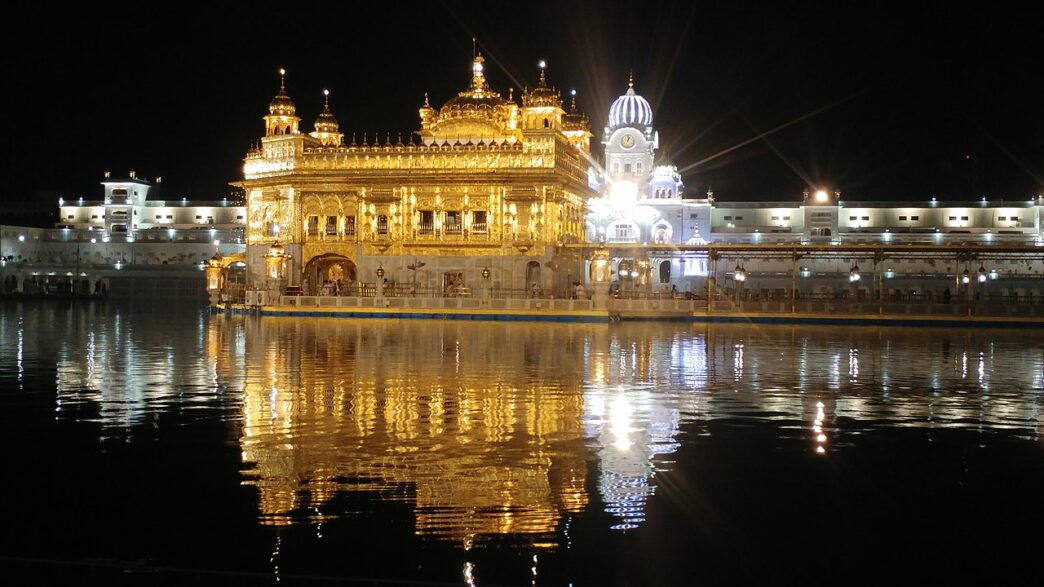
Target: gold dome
x=542 y=95
x=574 y=119
x=326 y=122
x=478 y=101
x=281 y=104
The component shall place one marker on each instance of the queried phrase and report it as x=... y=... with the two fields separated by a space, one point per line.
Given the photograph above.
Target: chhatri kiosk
x=484 y=199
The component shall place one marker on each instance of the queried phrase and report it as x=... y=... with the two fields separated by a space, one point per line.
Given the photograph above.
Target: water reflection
x=488 y=430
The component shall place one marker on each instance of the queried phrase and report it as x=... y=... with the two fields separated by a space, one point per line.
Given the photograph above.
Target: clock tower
x=630 y=142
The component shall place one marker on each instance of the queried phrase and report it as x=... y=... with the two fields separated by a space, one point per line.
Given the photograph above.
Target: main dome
x=630 y=109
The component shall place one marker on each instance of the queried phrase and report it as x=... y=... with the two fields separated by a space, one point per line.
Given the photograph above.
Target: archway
x=533 y=277
x=329 y=274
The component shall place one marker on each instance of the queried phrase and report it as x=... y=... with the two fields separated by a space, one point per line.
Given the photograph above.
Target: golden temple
x=487 y=195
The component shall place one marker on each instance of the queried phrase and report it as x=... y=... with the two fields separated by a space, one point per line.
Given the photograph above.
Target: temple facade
x=484 y=198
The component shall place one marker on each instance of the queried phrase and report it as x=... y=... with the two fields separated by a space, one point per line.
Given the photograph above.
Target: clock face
x=627 y=141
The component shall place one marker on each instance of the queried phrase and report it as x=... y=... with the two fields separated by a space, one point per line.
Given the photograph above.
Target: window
x=915 y=218
x=739 y=218
x=1014 y=219
x=70 y=217
x=953 y=218
x=623 y=231
x=452 y=222
x=119 y=192
x=313 y=226
x=693 y=216
x=627 y=168
x=427 y=221
x=94 y=216
x=616 y=167
x=478 y=221
x=1002 y=218
x=349 y=225
x=902 y=219
x=240 y=217
x=198 y=217
x=866 y=218
x=382 y=224
x=775 y=217
x=786 y=218
x=331 y=226
x=964 y=217
x=638 y=167
x=851 y=218
x=728 y=218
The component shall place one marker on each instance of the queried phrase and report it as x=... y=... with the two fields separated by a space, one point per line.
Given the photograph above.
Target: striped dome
x=630 y=110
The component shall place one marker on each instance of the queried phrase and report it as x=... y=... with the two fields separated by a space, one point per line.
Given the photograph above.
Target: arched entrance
x=328 y=274
x=533 y=278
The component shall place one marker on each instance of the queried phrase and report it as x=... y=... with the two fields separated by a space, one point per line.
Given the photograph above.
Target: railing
x=437 y=303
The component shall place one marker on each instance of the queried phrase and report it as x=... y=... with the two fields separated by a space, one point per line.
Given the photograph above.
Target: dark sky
x=927 y=98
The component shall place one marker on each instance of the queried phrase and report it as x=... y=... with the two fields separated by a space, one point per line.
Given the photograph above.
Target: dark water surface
x=187 y=447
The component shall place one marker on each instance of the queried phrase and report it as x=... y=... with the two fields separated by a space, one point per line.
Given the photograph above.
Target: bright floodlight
x=822 y=196
x=326 y=92
x=282 y=71
x=623 y=194
x=543 y=64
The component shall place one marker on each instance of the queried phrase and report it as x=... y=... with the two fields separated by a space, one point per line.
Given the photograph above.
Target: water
x=186 y=447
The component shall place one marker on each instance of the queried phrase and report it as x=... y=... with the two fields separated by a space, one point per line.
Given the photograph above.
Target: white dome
x=630 y=110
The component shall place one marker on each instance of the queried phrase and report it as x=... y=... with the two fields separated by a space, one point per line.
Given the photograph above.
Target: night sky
x=906 y=102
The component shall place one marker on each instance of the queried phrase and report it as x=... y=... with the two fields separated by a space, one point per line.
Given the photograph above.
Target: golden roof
x=281 y=104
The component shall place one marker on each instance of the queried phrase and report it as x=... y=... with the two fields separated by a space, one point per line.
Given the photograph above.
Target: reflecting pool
x=187 y=447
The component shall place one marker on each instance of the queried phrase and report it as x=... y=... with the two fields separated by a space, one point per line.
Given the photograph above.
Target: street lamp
x=485 y=272
x=380 y=272
x=740 y=274
x=966 y=277
x=982 y=274
x=120 y=263
x=853 y=274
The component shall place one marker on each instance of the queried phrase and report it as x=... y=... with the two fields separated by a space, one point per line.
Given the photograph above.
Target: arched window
x=547 y=123
x=665 y=272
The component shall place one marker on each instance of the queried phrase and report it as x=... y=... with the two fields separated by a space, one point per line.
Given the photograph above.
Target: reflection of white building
x=632 y=429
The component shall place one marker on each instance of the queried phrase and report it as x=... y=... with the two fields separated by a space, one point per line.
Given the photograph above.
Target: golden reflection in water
x=482 y=433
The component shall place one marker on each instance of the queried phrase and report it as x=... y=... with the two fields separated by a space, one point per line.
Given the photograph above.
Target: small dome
x=281 y=104
x=574 y=119
x=630 y=109
x=326 y=122
x=542 y=95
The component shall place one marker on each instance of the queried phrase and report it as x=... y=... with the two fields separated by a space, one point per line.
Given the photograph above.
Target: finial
x=282 y=79
x=426 y=104
x=474 y=43
x=630 y=80
x=387 y=138
x=326 y=95
x=511 y=94
x=364 y=139
x=543 y=78
x=353 y=139
x=572 y=107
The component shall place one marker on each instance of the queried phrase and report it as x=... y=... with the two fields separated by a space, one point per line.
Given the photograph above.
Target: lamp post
x=487 y=290
x=853 y=281
x=380 y=281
